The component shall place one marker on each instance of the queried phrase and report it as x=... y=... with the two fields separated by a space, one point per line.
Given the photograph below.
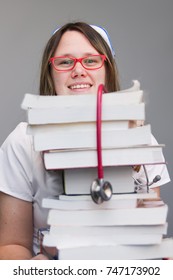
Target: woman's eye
x=90 y=62
x=66 y=62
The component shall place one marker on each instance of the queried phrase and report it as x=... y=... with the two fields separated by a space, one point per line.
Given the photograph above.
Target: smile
x=78 y=86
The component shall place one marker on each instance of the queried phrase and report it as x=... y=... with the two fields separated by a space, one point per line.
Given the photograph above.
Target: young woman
x=77 y=58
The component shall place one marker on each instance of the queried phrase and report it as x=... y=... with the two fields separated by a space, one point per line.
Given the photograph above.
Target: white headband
x=104 y=35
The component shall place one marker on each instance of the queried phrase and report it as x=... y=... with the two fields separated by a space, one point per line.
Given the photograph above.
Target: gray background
x=141 y=32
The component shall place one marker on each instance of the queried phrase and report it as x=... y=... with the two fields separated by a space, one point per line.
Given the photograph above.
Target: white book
x=81 y=158
x=79 y=126
x=65 y=240
x=132 y=95
x=120 y=197
x=109 y=230
x=118 y=252
x=123 y=105
x=76 y=236
x=81 y=204
x=60 y=138
x=151 y=214
x=79 y=180
x=84 y=113
x=84 y=202
x=57 y=101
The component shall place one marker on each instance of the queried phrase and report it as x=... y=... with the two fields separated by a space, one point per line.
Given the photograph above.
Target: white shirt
x=22 y=173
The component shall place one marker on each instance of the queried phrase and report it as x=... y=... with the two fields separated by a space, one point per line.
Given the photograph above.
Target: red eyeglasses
x=66 y=63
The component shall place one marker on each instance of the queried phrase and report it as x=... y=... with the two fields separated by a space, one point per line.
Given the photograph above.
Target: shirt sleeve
x=16 y=164
x=153 y=171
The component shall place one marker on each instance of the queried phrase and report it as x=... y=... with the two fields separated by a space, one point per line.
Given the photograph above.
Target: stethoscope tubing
x=100 y=172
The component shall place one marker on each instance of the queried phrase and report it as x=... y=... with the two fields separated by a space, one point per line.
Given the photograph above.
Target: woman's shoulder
x=18 y=137
x=20 y=128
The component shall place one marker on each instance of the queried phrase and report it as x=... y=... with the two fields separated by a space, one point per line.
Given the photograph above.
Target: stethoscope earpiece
x=140 y=185
x=100 y=190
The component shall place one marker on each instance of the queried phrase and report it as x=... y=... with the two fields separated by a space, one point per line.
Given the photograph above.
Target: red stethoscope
x=101 y=190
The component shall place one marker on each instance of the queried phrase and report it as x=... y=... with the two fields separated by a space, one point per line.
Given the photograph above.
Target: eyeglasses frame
x=51 y=61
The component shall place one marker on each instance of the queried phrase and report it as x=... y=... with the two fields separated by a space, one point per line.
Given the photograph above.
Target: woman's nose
x=78 y=70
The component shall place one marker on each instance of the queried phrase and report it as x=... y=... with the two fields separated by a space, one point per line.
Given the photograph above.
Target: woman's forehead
x=74 y=42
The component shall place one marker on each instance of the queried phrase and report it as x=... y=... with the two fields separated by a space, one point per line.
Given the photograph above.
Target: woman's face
x=78 y=80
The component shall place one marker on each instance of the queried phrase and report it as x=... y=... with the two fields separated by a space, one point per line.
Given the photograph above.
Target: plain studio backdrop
x=141 y=33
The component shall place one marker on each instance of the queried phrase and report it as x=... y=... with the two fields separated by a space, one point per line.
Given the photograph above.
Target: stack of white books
x=80 y=229
x=130 y=225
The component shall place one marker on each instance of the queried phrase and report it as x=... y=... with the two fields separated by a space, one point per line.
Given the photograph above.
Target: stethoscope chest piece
x=101 y=191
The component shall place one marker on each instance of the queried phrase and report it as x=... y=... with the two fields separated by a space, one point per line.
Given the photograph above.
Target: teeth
x=80 y=86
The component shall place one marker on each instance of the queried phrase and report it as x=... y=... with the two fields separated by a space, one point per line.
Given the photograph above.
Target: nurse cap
x=103 y=32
